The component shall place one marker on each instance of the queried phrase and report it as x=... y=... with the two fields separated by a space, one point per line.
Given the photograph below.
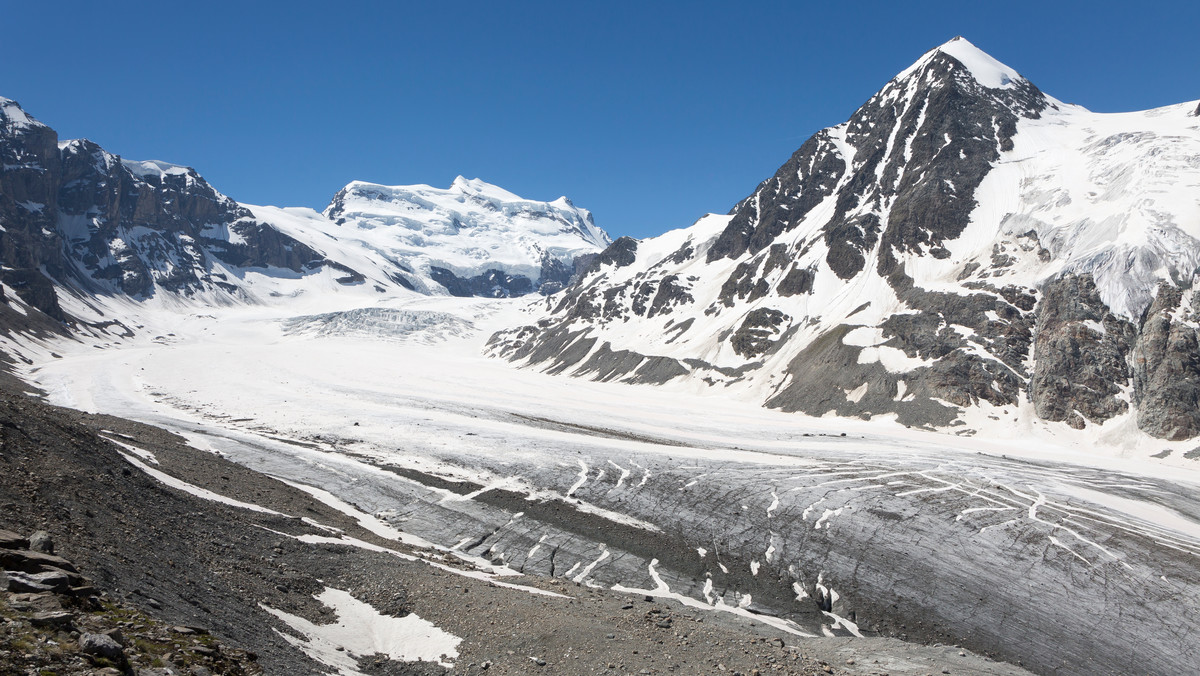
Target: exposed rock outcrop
x=1166 y=365
x=1080 y=355
x=74 y=213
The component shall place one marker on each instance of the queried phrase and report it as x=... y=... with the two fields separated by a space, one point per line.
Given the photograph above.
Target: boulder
x=11 y=540
x=101 y=645
x=41 y=542
x=23 y=583
x=43 y=602
x=51 y=580
x=53 y=620
x=33 y=562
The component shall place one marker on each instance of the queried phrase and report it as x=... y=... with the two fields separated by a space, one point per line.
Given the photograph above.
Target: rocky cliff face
x=1165 y=365
x=75 y=214
x=926 y=257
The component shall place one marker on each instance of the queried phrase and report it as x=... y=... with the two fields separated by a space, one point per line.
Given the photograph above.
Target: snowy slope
x=463 y=232
x=963 y=247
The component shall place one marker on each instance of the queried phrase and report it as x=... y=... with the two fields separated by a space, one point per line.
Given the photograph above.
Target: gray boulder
x=41 y=542
x=33 y=562
x=101 y=645
x=34 y=583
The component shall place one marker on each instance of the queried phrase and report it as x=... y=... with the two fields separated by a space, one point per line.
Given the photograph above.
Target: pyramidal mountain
x=965 y=247
x=80 y=223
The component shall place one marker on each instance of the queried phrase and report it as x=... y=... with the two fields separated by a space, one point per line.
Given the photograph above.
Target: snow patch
x=362 y=631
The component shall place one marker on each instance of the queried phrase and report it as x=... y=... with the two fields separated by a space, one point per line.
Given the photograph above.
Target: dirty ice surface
x=365 y=404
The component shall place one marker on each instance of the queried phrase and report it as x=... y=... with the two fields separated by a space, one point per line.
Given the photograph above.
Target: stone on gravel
x=59 y=619
x=41 y=542
x=84 y=592
x=101 y=645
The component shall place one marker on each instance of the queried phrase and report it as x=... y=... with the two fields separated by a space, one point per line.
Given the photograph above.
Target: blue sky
x=650 y=113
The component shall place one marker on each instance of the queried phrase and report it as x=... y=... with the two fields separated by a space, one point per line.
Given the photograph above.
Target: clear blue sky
x=648 y=113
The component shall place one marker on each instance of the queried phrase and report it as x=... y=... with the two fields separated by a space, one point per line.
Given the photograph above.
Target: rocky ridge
x=76 y=215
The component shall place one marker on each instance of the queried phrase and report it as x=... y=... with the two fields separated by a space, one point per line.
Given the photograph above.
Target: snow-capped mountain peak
x=472 y=238
x=467 y=205
x=13 y=116
x=962 y=241
x=481 y=188
x=986 y=70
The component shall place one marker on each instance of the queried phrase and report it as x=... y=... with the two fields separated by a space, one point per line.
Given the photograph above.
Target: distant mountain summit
x=964 y=247
x=472 y=238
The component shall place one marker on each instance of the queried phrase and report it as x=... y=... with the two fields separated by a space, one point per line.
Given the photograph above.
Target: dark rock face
x=493 y=283
x=1166 y=367
x=757 y=332
x=34 y=288
x=801 y=184
x=88 y=218
x=919 y=154
x=28 y=197
x=1080 y=354
x=797 y=281
x=620 y=253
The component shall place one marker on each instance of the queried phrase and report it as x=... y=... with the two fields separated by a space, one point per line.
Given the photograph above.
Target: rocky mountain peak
x=986 y=69
x=902 y=170
x=961 y=241
x=13 y=117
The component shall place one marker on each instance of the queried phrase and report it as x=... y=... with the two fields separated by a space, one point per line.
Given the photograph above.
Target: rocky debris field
x=139 y=565
x=52 y=621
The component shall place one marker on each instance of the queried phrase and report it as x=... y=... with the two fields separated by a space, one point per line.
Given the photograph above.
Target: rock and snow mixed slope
x=83 y=227
x=963 y=247
x=77 y=217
